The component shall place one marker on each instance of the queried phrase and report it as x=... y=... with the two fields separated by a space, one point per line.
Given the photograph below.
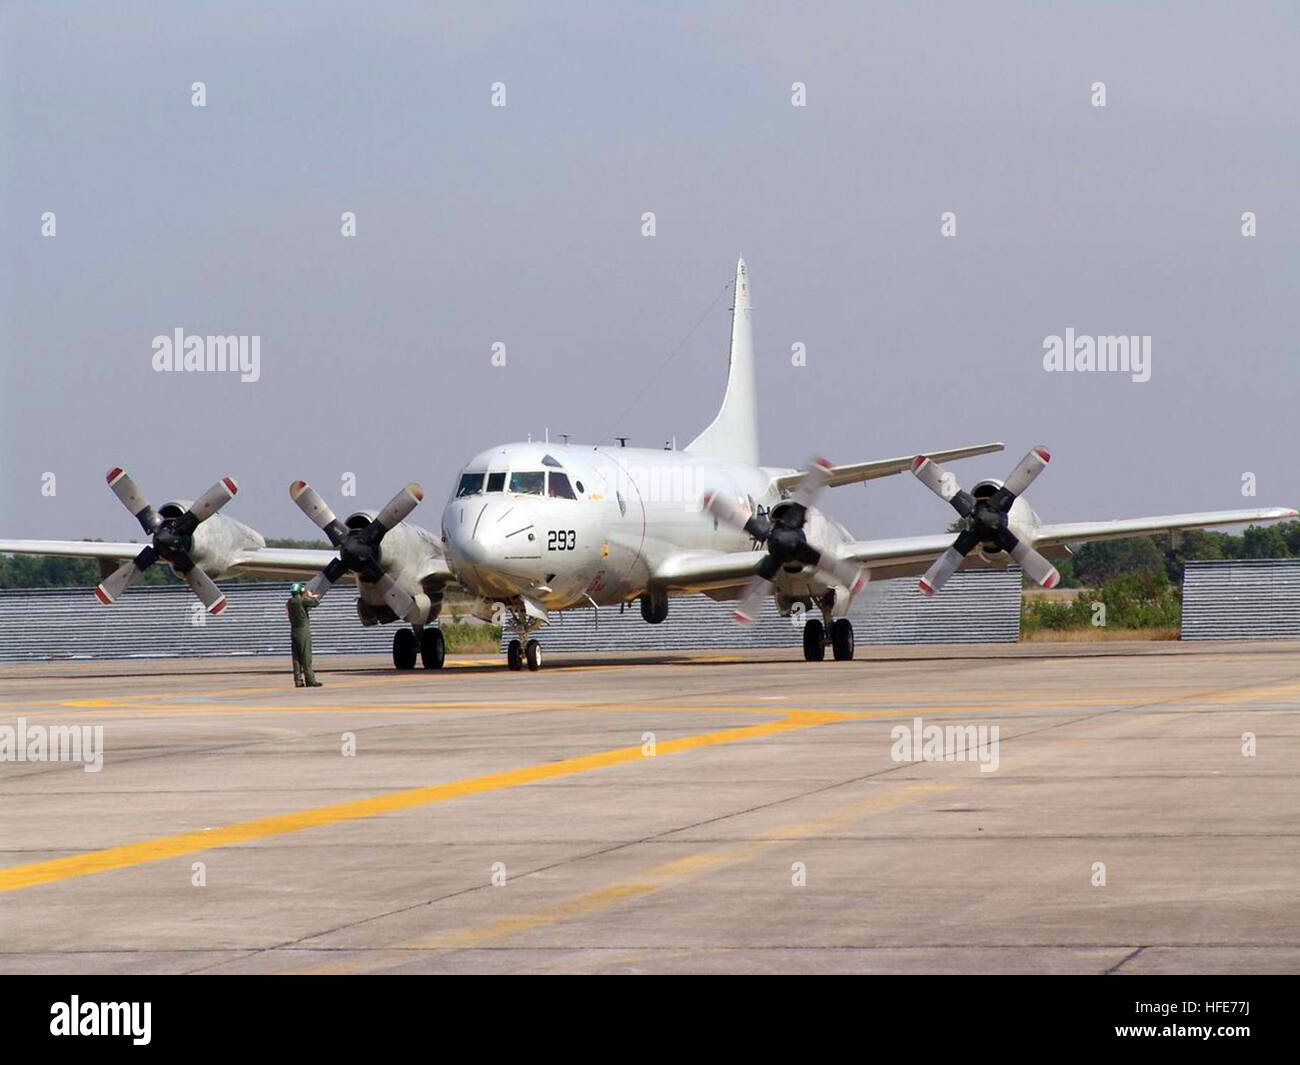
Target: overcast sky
x=522 y=225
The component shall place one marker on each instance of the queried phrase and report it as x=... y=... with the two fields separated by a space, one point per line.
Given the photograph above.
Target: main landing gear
x=428 y=643
x=517 y=653
x=815 y=640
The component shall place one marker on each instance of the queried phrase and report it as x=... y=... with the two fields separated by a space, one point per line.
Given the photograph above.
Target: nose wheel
x=519 y=654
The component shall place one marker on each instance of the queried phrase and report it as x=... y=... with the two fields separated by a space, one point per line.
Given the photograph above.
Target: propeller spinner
x=786 y=540
x=987 y=520
x=173 y=539
x=359 y=549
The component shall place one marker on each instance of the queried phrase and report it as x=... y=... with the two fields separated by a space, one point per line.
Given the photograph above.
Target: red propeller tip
x=743 y=619
x=1043 y=453
x=918 y=462
x=102 y=596
x=926 y=587
x=1053 y=579
x=229 y=482
x=114 y=474
x=418 y=494
x=218 y=606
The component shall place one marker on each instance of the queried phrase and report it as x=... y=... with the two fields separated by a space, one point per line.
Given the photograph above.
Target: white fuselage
x=596 y=527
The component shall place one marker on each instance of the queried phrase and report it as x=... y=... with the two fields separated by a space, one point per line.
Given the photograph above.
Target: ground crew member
x=301 y=601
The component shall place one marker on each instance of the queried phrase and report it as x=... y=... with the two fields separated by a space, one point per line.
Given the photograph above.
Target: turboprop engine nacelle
x=215 y=541
x=405 y=550
x=1021 y=518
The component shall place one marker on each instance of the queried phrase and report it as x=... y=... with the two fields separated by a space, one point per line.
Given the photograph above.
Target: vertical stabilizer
x=733 y=434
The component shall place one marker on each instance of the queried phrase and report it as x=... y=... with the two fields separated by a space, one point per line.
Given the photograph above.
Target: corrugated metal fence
x=166 y=621
x=1242 y=599
x=979 y=606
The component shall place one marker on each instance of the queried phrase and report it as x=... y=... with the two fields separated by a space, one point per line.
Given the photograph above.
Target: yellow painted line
x=152 y=850
x=673 y=873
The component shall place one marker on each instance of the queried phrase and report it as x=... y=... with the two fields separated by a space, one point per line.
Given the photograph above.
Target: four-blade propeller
x=359 y=549
x=786 y=541
x=173 y=539
x=987 y=520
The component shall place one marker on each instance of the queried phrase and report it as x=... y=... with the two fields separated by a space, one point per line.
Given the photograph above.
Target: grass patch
x=461 y=637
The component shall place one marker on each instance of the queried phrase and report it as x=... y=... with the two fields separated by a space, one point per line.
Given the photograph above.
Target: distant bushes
x=1139 y=600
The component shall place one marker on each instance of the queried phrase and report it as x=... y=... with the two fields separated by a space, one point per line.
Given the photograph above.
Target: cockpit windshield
x=470 y=484
x=528 y=482
x=557 y=485
x=496 y=482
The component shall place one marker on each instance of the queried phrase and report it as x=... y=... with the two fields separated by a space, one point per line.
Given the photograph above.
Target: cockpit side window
x=470 y=484
x=528 y=482
x=496 y=482
x=557 y=485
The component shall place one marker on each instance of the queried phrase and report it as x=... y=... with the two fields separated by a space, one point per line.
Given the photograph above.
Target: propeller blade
x=117 y=582
x=1030 y=467
x=1038 y=568
x=311 y=504
x=812 y=483
x=401 y=603
x=132 y=498
x=726 y=509
x=397 y=508
x=327 y=578
x=751 y=600
x=212 y=500
x=943 y=484
x=212 y=597
x=946 y=564
x=848 y=574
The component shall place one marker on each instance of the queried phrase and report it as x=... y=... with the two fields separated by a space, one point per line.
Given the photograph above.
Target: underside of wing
x=697 y=571
x=869 y=471
x=301 y=563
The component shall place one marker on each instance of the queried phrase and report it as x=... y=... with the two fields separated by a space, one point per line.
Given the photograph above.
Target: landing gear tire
x=533 y=653
x=515 y=655
x=433 y=648
x=842 y=639
x=404 y=648
x=814 y=640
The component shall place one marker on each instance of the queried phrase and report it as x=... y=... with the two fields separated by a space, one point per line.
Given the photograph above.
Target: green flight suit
x=300 y=637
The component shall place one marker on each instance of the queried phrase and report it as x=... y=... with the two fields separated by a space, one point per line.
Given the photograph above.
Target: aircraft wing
x=911 y=555
x=284 y=562
x=1084 y=531
x=100 y=549
x=696 y=571
x=869 y=471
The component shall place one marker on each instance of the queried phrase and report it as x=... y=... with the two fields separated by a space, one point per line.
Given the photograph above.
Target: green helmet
x=297 y=588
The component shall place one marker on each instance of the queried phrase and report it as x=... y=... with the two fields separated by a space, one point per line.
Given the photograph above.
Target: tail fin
x=733 y=434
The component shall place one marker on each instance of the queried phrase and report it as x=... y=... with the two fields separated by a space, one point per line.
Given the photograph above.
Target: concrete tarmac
x=1136 y=811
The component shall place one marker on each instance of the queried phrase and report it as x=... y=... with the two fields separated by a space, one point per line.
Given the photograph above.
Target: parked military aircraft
x=535 y=528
